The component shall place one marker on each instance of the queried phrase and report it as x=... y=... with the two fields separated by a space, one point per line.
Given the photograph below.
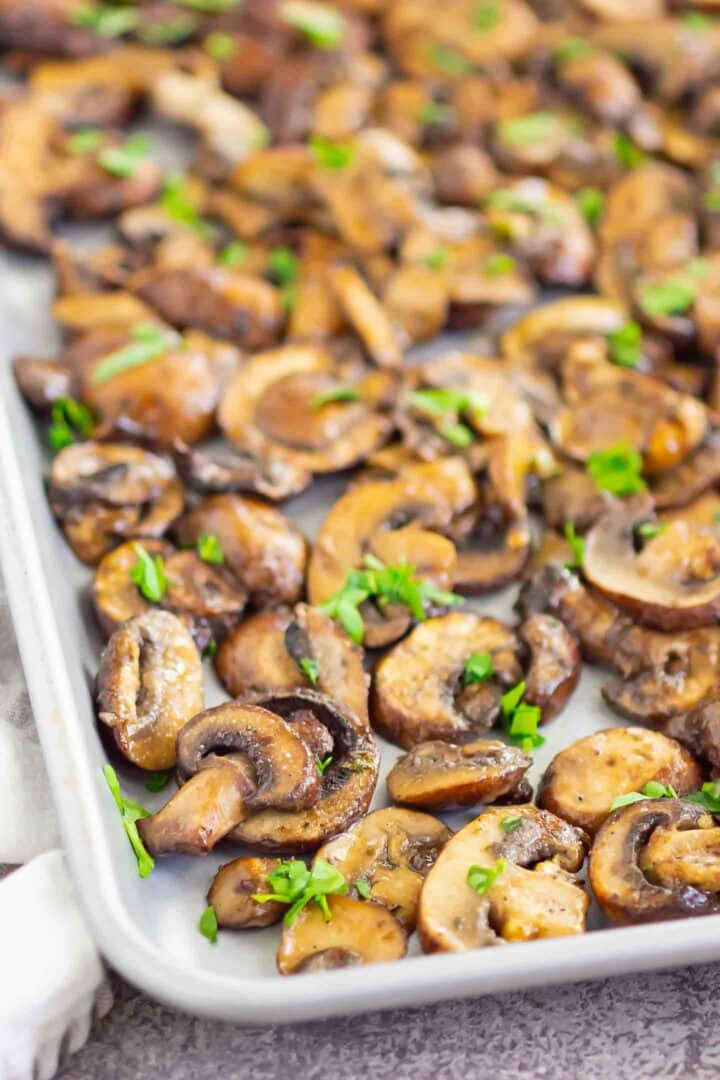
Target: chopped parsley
x=696 y=21
x=108 y=20
x=177 y=204
x=652 y=790
x=208 y=925
x=284 y=268
x=332 y=155
x=487 y=15
x=169 y=31
x=310 y=669
x=210 y=649
x=70 y=420
x=521 y=719
x=498 y=264
x=209 y=549
x=130 y=812
x=156 y=781
x=449 y=61
x=437 y=259
x=333 y=394
x=209 y=7
x=323 y=764
x=671 y=297
x=292 y=883
x=323 y=27
x=650 y=529
x=577 y=546
x=711 y=200
x=591 y=202
x=510 y=824
x=85 y=141
x=362 y=889
x=148 y=574
x=481 y=878
x=628 y=154
x=149 y=342
x=708 y=796
x=521 y=130
x=625 y=345
x=444 y=403
x=433 y=112
x=617 y=470
x=124 y=161
x=219 y=45
x=478 y=667
x=233 y=255
x=572 y=48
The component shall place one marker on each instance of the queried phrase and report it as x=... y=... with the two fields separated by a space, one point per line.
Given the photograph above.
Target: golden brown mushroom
x=439 y=775
x=358 y=932
x=231 y=894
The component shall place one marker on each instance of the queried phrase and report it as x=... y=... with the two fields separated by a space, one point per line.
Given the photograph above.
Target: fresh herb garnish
x=208 y=925
x=149 y=342
x=437 y=259
x=459 y=435
x=572 y=48
x=617 y=470
x=156 y=781
x=650 y=529
x=708 y=796
x=535 y=127
x=70 y=420
x=209 y=549
x=323 y=27
x=169 y=31
x=309 y=668
x=433 y=112
x=130 y=812
x=628 y=154
x=284 y=269
x=711 y=200
x=652 y=790
x=148 y=574
x=332 y=394
x=498 y=264
x=445 y=403
x=449 y=61
x=219 y=45
x=362 y=889
x=177 y=204
x=388 y=585
x=125 y=160
x=591 y=201
x=478 y=667
x=85 y=141
x=210 y=649
x=510 y=824
x=481 y=878
x=695 y=20
x=209 y=7
x=233 y=255
x=108 y=20
x=577 y=546
x=625 y=345
x=293 y=884
x=332 y=155
x=512 y=202
x=487 y=15
x=521 y=719
x=323 y=764
x=671 y=297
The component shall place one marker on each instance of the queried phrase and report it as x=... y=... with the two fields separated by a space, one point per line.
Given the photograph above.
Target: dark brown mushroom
x=358 y=932
x=148 y=686
x=582 y=781
x=272 y=477
x=438 y=775
x=555 y=663
x=536 y=894
x=41 y=382
x=621 y=870
x=389 y=852
x=253 y=659
x=231 y=894
x=572 y=497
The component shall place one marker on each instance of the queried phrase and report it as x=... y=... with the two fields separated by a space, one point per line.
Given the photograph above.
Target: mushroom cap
x=582 y=780
x=253 y=658
x=623 y=890
x=672 y=584
x=390 y=851
x=439 y=775
x=116 y=597
x=272 y=477
x=535 y=896
x=358 y=932
x=417 y=691
x=231 y=894
x=555 y=663
x=148 y=686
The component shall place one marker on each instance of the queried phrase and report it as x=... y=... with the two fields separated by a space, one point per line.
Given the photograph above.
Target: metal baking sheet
x=147 y=929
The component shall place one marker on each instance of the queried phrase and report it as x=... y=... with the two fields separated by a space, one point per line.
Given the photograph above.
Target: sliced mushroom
x=232 y=889
x=148 y=686
x=620 y=871
x=572 y=497
x=439 y=775
x=340 y=675
x=272 y=477
x=555 y=663
x=264 y=551
x=536 y=895
x=383 y=341
x=582 y=781
x=346 y=785
x=358 y=932
x=253 y=659
x=691 y=477
x=41 y=382
x=418 y=691
x=209 y=597
x=116 y=597
x=389 y=852
x=671 y=584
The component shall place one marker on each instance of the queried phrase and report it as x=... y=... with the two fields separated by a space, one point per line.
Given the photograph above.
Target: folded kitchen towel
x=52 y=982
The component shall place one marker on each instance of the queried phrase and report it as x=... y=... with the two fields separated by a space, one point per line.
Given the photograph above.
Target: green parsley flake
x=149 y=575
x=323 y=27
x=332 y=155
x=521 y=130
x=208 y=925
x=696 y=21
x=310 y=669
x=671 y=297
x=652 y=790
x=617 y=470
x=283 y=266
x=625 y=345
x=85 y=141
x=459 y=435
x=333 y=394
x=433 y=112
x=487 y=15
x=156 y=781
x=437 y=259
x=210 y=649
x=233 y=255
x=130 y=812
x=591 y=202
x=219 y=45
x=510 y=824
x=708 y=797
x=481 y=878
x=577 y=546
x=169 y=31
x=449 y=61
x=521 y=719
x=177 y=204
x=498 y=264
x=628 y=154
x=478 y=667
x=108 y=20
x=209 y=549
x=124 y=161
x=572 y=48
x=648 y=530
x=711 y=201
x=323 y=765
x=296 y=885
x=70 y=420
x=149 y=342
x=209 y=7
x=362 y=889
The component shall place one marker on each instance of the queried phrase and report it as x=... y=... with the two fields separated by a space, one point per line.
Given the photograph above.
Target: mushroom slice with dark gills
x=555 y=663
x=391 y=520
x=656 y=859
x=439 y=775
x=358 y=932
x=502 y=880
x=148 y=686
x=386 y=856
x=262 y=548
x=239 y=471
x=419 y=691
x=671 y=583
x=347 y=782
x=232 y=889
x=283 y=650
x=290 y=405
x=102 y=493
x=582 y=781
x=698 y=472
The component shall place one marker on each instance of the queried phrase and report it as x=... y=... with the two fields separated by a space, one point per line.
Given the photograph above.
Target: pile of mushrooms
x=364 y=178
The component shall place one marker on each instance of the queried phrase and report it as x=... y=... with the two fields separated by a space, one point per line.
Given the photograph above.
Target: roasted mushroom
x=148 y=686
x=582 y=781
x=527 y=887
x=231 y=894
x=271 y=477
x=386 y=856
x=554 y=667
x=439 y=775
x=624 y=878
x=358 y=932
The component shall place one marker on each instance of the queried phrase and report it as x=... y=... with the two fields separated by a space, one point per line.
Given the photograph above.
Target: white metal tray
x=147 y=929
